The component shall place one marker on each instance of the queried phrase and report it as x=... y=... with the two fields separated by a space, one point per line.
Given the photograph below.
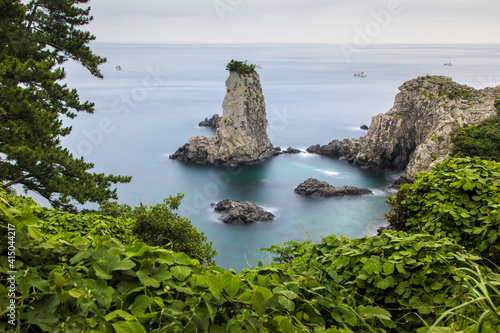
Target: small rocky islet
x=316 y=188
x=241 y=212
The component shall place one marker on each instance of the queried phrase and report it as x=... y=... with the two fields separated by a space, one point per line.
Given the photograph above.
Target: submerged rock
x=241 y=137
x=241 y=212
x=314 y=187
x=415 y=134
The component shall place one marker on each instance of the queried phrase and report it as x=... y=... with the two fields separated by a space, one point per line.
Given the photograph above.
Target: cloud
x=299 y=21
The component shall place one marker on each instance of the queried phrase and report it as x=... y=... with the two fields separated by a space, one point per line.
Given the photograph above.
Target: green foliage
x=482 y=140
x=71 y=282
x=160 y=226
x=73 y=274
x=459 y=199
x=286 y=251
x=409 y=280
x=34 y=39
x=479 y=311
x=241 y=67
x=114 y=209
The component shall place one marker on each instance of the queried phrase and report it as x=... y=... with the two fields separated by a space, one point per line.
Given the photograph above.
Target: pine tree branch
x=23 y=177
x=32 y=16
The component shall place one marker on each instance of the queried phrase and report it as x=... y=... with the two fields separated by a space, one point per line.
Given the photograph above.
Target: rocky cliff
x=241 y=136
x=415 y=134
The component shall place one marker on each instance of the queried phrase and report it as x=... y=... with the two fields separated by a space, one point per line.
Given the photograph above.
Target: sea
x=152 y=103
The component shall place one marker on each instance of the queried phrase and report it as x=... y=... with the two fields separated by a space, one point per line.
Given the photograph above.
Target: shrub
x=460 y=199
x=71 y=283
x=482 y=140
x=241 y=67
x=480 y=309
x=160 y=226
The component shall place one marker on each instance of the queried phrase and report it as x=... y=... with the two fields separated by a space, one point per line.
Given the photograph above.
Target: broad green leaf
x=128 y=287
x=147 y=280
x=75 y=293
x=288 y=294
x=29 y=219
x=388 y=268
x=266 y=293
x=128 y=327
x=34 y=232
x=231 y=284
x=246 y=297
x=372 y=266
x=42 y=313
x=141 y=303
x=215 y=286
x=136 y=250
x=401 y=268
x=180 y=272
x=369 y=312
x=104 y=268
x=181 y=258
x=287 y=304
x=119 y=313
x=384 y=283
x=263 y=280
x=286 y=326
x=259 y=303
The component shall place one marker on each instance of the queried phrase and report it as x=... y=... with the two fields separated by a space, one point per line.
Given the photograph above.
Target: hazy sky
x=297 y=21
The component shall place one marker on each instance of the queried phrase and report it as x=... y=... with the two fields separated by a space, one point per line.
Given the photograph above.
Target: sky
x=355 y=22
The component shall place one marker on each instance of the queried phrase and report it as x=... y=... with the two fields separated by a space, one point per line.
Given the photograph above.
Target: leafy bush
x=480 y=310
x=482 y=140
x=408 y=280
x=160 y=226
x=67 y=282
x=241 y=67
x=460 y=199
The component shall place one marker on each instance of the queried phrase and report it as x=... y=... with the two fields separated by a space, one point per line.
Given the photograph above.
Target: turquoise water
x=152 y=106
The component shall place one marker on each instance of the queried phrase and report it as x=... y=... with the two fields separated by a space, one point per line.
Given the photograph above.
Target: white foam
x=379 y=193
x=330 y=173
x=273 y=210
x=305 y=154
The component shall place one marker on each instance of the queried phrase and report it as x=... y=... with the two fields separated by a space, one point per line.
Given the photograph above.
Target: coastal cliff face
x=241 y=136
x=415 y=134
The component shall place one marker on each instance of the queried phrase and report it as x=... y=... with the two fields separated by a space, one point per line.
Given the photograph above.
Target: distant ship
x=448 y=64
x=118 y=68
x=360 y=74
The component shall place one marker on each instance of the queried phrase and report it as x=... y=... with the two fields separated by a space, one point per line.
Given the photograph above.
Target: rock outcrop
x=213 y=122
x=241 y=137
x=241 y=212
x=291 y=150
x=316 y=188
x=415 y=134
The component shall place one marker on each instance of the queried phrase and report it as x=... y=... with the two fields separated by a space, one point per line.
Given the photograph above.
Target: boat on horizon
x=360 y=74
x=448 y=64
